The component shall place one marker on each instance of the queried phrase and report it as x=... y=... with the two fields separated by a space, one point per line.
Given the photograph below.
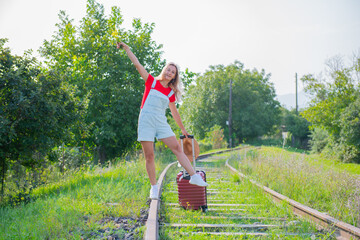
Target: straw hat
x=188 y=148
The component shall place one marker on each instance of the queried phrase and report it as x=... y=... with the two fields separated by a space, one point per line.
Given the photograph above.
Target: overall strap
x=171 y=93
x=154 y=83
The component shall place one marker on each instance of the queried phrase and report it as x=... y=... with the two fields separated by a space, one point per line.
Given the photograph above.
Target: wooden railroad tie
x=207 y=225
x=221 y=205
x=251 y=234
x=244 y=218
x=215 y=192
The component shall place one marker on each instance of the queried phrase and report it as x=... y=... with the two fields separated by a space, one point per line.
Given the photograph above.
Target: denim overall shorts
x=152 y=120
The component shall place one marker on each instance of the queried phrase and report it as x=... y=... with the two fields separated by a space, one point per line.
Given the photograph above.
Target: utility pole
x=230 y=114
x=296 y=107
x=296 y=92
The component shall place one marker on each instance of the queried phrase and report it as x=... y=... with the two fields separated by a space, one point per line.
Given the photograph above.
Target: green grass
x=314 y=181
x=78 y=206
x=236 y=191
x=276 y=145
x=319 y=160
x=351 y=168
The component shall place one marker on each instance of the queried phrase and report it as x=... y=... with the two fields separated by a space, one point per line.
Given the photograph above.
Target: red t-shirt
x=157 y=87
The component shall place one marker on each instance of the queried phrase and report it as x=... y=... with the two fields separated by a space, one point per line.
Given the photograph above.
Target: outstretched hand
x=121 y=44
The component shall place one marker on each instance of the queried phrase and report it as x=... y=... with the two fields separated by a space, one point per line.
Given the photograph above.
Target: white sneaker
x=154 y=192
x=196 y=179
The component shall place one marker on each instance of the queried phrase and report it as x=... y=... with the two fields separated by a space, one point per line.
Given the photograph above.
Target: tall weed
x=301 y=178
x=91 y=203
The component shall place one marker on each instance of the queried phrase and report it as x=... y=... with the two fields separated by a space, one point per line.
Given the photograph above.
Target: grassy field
x=323 y=184
x=334 y=164
x=92 y=204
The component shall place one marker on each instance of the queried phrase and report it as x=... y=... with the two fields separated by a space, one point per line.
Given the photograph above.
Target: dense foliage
x=86 y=56
x=36 y=111
x=254 y=108
x=335 y=109
x=298 y=127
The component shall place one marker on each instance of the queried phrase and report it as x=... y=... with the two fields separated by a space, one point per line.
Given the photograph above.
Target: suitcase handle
x=189 y=136
x=193 y=150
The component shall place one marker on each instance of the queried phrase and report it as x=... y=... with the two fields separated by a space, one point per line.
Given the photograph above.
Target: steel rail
x=342 y=230
x=202 y=156
x=152 y=222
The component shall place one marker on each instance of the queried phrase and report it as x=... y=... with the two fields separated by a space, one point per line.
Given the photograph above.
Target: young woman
x=160 y=92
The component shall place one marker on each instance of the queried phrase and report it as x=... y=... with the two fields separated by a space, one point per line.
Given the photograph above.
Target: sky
x=283 y=37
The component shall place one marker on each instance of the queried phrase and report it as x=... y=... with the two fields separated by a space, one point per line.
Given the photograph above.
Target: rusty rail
x=152 y=223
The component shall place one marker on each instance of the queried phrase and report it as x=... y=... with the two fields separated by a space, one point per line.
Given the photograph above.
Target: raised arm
x=143 y=73
x=177 y=118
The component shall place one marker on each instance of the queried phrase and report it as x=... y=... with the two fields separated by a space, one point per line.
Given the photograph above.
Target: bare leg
x=173 y=144
x=148 y=149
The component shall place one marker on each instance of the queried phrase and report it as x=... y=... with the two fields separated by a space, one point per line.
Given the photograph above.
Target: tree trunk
x=83 y=154
x=101 y=154
x=2 y=179
x=292 y=141
x=62 y=162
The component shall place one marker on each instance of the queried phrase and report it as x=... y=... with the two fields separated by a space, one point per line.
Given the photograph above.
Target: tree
x=297 y=126
x=86 y=56
x=350 y=132
x=254 y=109
x=333 y=107
x=36 y=110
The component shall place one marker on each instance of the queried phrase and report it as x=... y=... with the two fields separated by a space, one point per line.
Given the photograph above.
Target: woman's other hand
x=185 y=133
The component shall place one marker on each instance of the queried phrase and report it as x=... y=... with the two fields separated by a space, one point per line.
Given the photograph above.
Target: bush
x=68 y=157
x=350 y=132
x=346 y=145
x=214 y=139
x=204 y=147
x=319 y=139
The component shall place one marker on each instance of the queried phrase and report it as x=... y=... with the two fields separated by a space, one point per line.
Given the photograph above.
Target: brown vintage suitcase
x=191 y=196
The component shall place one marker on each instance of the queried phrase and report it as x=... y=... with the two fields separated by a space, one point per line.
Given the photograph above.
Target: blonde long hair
x=175 y=84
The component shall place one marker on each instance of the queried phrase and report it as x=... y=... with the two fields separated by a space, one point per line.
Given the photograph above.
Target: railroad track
x=237 y=209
